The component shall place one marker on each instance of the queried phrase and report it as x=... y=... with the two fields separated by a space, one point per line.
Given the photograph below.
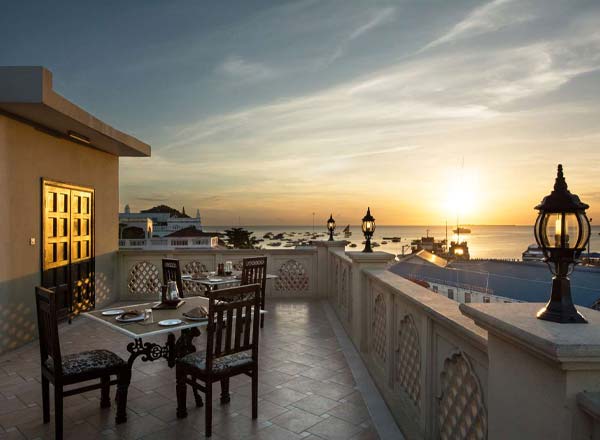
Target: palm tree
x=240 y=238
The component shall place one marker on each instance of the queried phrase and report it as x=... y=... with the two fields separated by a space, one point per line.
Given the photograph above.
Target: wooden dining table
x=173 y=348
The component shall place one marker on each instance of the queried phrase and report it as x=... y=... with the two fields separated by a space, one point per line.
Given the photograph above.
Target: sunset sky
x=271 y=110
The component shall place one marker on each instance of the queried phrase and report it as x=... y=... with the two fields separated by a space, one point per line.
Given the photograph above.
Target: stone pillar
x=536 y=370
x=358 y=285
x=323 y=269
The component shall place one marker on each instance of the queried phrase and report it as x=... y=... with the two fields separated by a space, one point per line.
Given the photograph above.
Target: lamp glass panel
x=552 y=231
x=572 y=230
x=585 y=231
x=561 y=230
x=537 y=229
x=368 y=226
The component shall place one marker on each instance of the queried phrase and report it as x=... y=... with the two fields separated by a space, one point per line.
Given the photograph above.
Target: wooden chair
x=231 y=349
x=172 y=272
x=75 y=368
x=254 y=271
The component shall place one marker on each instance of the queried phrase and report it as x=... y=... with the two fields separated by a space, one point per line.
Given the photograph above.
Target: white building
x=159 y=221
x=435 y=273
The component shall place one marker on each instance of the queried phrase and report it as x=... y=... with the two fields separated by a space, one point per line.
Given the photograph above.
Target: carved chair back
x=45 y=300
x=233 y=321
x=254 y=271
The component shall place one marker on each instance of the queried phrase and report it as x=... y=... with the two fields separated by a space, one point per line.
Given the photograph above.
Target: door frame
x=78 y=187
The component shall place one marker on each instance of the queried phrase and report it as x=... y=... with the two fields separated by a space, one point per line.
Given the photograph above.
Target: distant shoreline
x=358 y=225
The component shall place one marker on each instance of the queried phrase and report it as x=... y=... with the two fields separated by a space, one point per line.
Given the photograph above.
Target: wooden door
x=68 y=244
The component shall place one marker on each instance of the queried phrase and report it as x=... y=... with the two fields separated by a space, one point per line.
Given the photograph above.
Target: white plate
x=113 y=312
x=169 y=322
x=132 y=319
x=215 y=279
x=196 y=319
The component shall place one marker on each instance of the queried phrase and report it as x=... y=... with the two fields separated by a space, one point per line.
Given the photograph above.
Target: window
x=486 y=299
x=451 y=293
x=467 y=297
x=435 y=288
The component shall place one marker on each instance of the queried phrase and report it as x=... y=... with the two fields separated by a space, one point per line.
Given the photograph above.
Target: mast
x=446 y=235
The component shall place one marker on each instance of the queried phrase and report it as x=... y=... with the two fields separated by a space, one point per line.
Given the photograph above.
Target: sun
x=462 y=196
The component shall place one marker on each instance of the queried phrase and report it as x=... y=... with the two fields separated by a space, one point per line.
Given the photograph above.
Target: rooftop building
x=500 y=280
x=158 y=221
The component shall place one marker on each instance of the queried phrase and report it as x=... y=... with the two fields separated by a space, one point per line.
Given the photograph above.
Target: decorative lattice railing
x=295 y=270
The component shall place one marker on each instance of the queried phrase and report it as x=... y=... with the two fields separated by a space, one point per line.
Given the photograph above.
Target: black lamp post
x=331 y=227
x=368 y=228
x=562 y=231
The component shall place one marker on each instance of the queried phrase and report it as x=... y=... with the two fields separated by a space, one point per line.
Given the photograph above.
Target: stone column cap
x=370 y=257
x=574 y=344
x=328 y=244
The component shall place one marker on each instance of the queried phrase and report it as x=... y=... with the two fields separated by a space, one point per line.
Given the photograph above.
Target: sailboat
x=347 y=232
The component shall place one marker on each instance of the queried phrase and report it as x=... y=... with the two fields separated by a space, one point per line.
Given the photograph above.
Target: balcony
x=169 y=243
x=349 y=351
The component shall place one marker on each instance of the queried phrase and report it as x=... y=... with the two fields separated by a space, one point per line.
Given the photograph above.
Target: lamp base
x=560 y=308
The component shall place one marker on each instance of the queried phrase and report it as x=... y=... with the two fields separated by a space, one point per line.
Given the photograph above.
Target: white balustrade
x=141 y=268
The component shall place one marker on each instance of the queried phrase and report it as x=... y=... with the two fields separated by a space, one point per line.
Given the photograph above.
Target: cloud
x=239 y=69
x=492 y=103
x=490 y=17
x=376 y=19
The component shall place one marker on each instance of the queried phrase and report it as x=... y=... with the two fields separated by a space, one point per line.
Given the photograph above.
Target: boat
x=533 y=253
x=275 y=244
x=393 y=239
x=347 y=232
x=352 y=245
x=461 y=230
x=458 y=251
x=429 y=244
x=384 y=242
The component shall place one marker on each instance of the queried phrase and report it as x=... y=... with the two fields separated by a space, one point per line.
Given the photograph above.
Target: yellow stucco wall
x=27 y=155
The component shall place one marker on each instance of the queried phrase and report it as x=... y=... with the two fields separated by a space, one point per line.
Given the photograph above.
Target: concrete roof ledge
x=26 y=94
x=574 y=346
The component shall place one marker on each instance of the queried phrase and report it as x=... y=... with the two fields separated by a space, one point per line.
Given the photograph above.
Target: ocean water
x=483 y=241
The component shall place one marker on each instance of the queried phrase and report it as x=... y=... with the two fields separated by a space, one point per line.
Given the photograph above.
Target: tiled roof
x=165 y=209
x=527 y=281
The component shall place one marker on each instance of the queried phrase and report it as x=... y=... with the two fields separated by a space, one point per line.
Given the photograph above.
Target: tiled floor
x=306 y=389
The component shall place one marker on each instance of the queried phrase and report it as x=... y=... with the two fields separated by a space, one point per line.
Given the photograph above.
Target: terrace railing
x=141 y=273
x=476 y=371
x=446 y=370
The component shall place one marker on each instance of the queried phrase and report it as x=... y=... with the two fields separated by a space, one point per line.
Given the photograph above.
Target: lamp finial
x=560 y=184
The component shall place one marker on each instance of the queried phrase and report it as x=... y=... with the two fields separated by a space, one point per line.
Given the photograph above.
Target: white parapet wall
x=428 y=360
x=140 y=270
x=467 y=371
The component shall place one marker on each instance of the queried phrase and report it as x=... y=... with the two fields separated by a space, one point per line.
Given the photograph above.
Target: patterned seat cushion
x=93 y=361
x=220 y=365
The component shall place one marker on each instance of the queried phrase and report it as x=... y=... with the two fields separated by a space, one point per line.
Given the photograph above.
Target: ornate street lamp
x=562 y=231
x=331 y=227
x=368 y=228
